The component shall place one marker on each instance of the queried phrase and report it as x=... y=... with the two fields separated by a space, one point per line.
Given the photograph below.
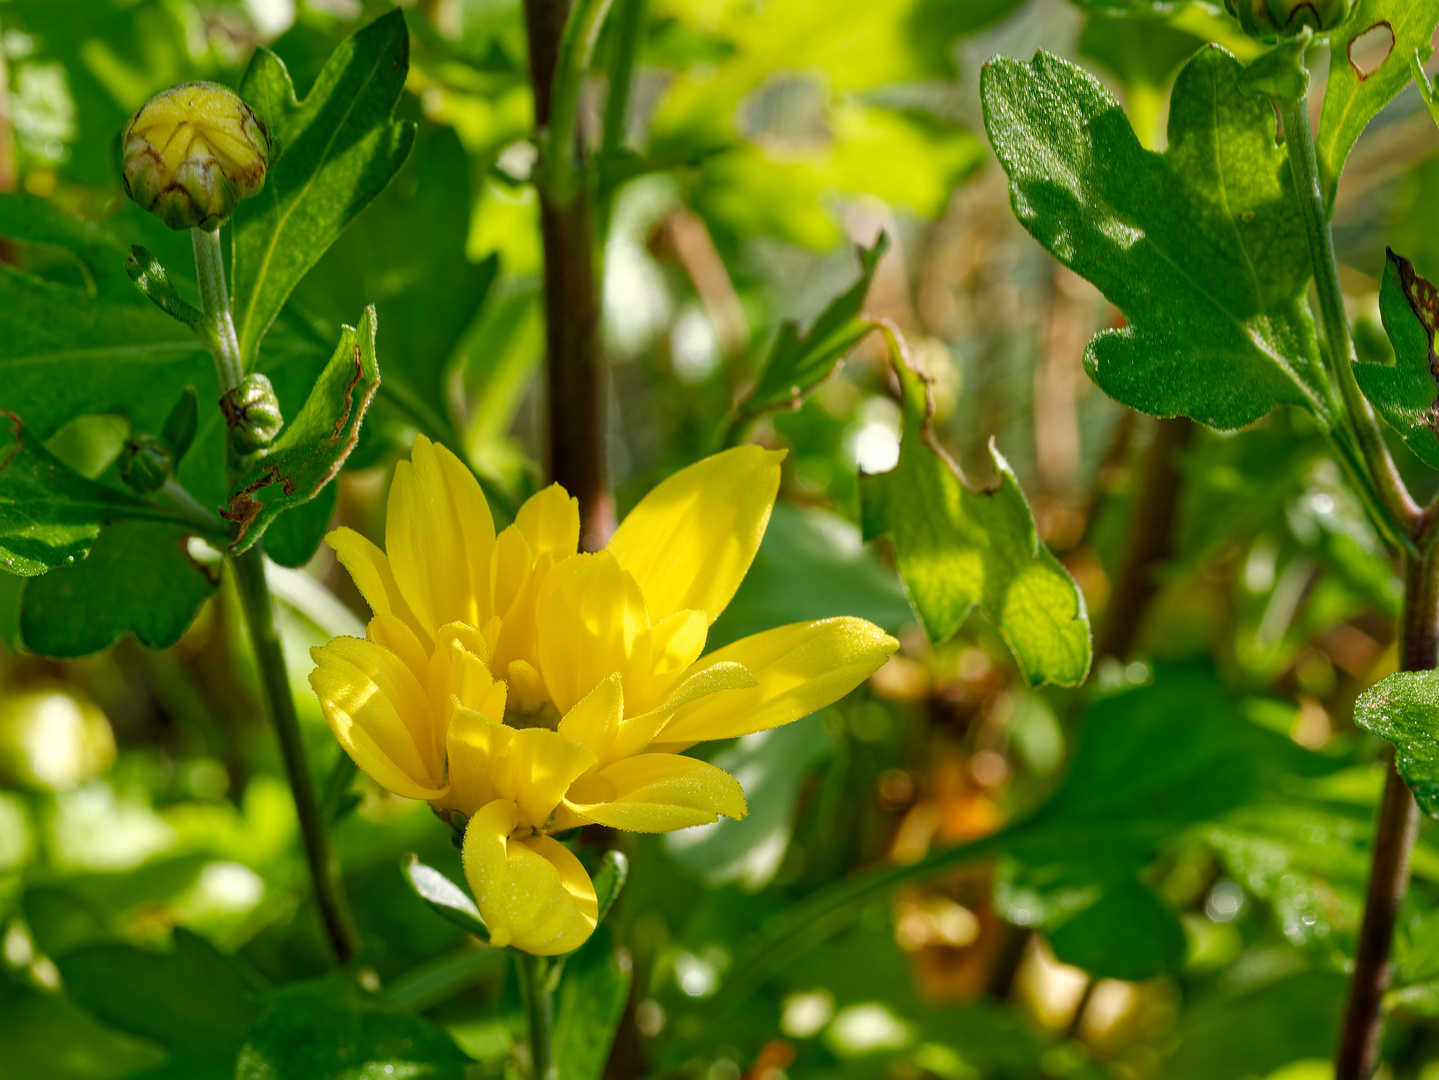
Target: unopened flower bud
x=1270 y=20
x=192 y=153
x=146 y=463
x=253 y=413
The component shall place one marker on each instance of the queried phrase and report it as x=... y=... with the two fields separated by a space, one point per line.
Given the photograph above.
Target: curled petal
x=657 y=793
x=533 y=893
x=531 y=767
x=380 y=714
x=690 y=541
x=800 y=668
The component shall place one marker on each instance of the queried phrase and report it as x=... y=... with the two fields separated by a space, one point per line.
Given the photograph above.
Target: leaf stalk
x=1394 y=497
x=539 y=998
x=216 y=329
x=259 y=609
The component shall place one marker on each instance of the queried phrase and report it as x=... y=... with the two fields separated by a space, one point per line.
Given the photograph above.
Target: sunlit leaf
x=1405 y=394
x=1404 y=709
x=315 y=443
x=1202 y=247
x=448 y=900
x=1354 y=96
x=958 y=548
x=338 y=150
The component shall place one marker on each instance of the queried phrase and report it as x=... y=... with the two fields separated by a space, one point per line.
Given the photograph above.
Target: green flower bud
x=192 y=153
x=253 y=413
x=146 y=463
x=1269 y=20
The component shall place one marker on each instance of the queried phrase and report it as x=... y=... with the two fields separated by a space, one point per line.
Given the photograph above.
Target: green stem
x=1304 y=167
x=539 y=1001
x=559 y=168
x=259 y=608
x=217 y=329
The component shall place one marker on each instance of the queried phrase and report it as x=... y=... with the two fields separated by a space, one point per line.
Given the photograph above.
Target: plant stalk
x=576 y=377
x=217 y=328
x=1309 y=195
x=259 y=609
x=539 y=1002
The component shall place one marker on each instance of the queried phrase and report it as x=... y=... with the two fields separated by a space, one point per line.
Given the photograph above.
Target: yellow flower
x=533 y=688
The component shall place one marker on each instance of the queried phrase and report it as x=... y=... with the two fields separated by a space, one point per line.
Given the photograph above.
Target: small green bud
x=192 y=153
x=1269 y=20
x=146 y=463
x=252 y=412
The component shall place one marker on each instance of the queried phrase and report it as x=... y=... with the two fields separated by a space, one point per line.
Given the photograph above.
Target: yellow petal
x=799 y=668
x=550 y=520
x=533 y=893
x=637 y=732
x=657 y=793
x=672 y=645
x=395 y=634
x=595 y=721
x=509 y=568
x=370 y=569
x=690 y=541
x=439 y=535
x=588 y=628
x=528 y=687
x=456 y=670
x=476 y=747
x=537 y=771
x=380 y=715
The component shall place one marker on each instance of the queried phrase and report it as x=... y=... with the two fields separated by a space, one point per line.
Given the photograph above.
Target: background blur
x=141 y=793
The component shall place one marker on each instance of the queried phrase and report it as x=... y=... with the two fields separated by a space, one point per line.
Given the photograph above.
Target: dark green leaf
x=314 y=444
x=799 y=362
x=1201 y=248
x=588 y=1007
x=50 y=514
x=811 y=565
x=1143 y=52
x=152 y=281
x=182 y=423
x=957 y=548
x=296 y=534
x=193 y=1001
x=1405 y=394
x=329 y=1030
x=406 y=255
x=447 y=899
x=1404 y=709
x=1126 y=934
x=138 y=578
x=1352 y=98
x=338 y=150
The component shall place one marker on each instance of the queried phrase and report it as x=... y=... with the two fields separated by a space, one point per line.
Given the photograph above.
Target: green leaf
x=50 y=514
x=1405 y=394
x=406 y=255
x=449 y=900
x=609 y=880
x=1404 y=709
x=775 y=764
x=138 y=578
x=1143 y=52
x=313 y=446
x=329 y=1030
x=338 y=150
x=1353 y=99
x=296 y=534
x=1201 y=247
x=797 y=363
x=588 y=1007
x=182 y=423
x=958 y=548
x=1126 y=934
x=192 y=1001
x=155 y=285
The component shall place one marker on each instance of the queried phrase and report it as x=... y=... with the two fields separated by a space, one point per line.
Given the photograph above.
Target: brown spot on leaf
x=243 y=510
x=349 y=395
x=1423 y=300
x=17 y=429
x=1368 y=50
